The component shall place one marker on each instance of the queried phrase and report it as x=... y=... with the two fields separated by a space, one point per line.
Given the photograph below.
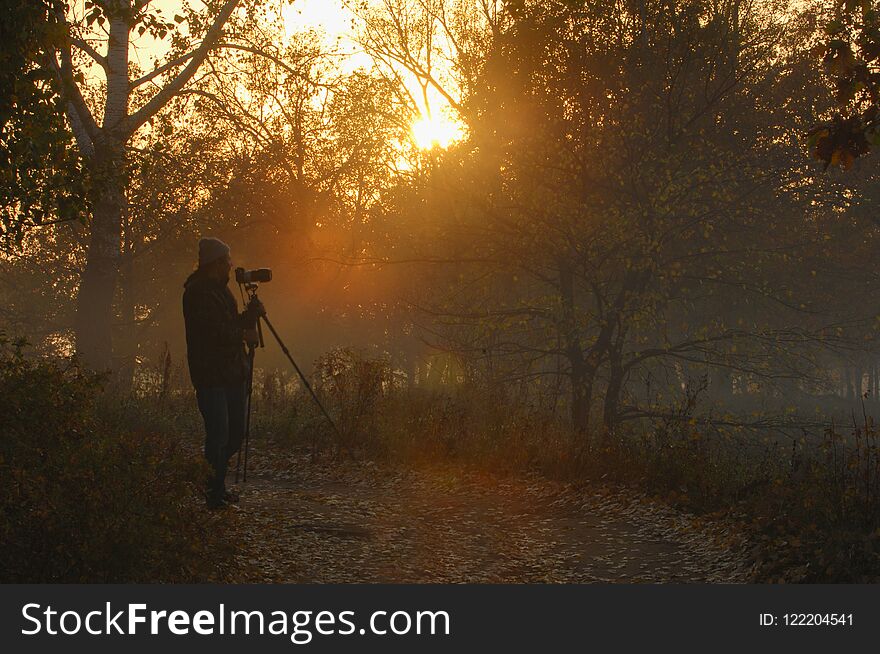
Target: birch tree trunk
x=94 y=312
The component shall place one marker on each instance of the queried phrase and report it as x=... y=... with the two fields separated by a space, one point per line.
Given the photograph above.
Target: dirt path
x=303 y=522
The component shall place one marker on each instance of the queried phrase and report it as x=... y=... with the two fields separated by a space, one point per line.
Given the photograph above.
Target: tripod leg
x=339 y=436
x=247 y=423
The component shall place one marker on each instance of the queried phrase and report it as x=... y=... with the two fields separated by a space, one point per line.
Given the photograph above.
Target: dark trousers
x=223 y=409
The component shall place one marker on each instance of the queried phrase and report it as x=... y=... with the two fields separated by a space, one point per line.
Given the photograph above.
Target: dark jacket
x=214 y=331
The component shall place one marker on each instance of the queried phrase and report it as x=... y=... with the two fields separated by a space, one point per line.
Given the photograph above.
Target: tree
x=613 y=219
x=104 y=129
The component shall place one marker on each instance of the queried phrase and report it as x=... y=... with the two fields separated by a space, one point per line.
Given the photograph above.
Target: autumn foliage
x=849 y=56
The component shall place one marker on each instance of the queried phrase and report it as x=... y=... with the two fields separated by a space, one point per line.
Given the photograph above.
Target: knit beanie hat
x=211 y=249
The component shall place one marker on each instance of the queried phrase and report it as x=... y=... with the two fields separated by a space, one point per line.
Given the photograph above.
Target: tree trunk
x=858 y=376
x=581 y=393
x=94 y=312
x=410 y=363
x=612 y=397
x=582 y=375
x=436 y=370
x=876 y=377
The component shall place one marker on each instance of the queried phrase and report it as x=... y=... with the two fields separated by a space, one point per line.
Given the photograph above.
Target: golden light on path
x=436 y=131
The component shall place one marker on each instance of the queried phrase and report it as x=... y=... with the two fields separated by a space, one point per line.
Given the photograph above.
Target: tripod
x=251 y=289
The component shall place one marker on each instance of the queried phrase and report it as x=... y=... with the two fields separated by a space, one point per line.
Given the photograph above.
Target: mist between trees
x=629 y=234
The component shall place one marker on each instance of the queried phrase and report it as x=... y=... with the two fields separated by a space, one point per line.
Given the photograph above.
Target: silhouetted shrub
x=86 y=500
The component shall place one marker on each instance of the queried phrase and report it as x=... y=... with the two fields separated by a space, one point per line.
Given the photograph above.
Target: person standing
x=218 y=363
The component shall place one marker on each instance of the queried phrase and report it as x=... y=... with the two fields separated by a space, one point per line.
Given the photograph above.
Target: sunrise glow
x=436 y=131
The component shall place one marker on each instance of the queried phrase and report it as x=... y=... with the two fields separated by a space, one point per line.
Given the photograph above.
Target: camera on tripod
x=247 y=281
x=257 y=276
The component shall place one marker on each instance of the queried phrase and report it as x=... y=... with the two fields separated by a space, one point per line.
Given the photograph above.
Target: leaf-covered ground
x=301 y=521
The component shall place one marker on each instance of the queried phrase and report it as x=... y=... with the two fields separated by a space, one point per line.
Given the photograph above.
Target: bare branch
x=89 y=50
x=161 y=98
x=162 y=69
x=84 y=141
x=277 y=61
x=85 y=129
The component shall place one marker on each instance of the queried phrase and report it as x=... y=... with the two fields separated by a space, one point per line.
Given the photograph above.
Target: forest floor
x=302 y=521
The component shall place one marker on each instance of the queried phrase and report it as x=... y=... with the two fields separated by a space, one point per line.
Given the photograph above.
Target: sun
x=436 y=131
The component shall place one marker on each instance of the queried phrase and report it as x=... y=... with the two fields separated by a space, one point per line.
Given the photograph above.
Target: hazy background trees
x=614 y=213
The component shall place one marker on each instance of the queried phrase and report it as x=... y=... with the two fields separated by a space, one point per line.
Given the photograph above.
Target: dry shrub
x=84 y=500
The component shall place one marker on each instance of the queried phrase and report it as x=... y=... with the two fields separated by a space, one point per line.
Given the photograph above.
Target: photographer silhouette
x=218 y=364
